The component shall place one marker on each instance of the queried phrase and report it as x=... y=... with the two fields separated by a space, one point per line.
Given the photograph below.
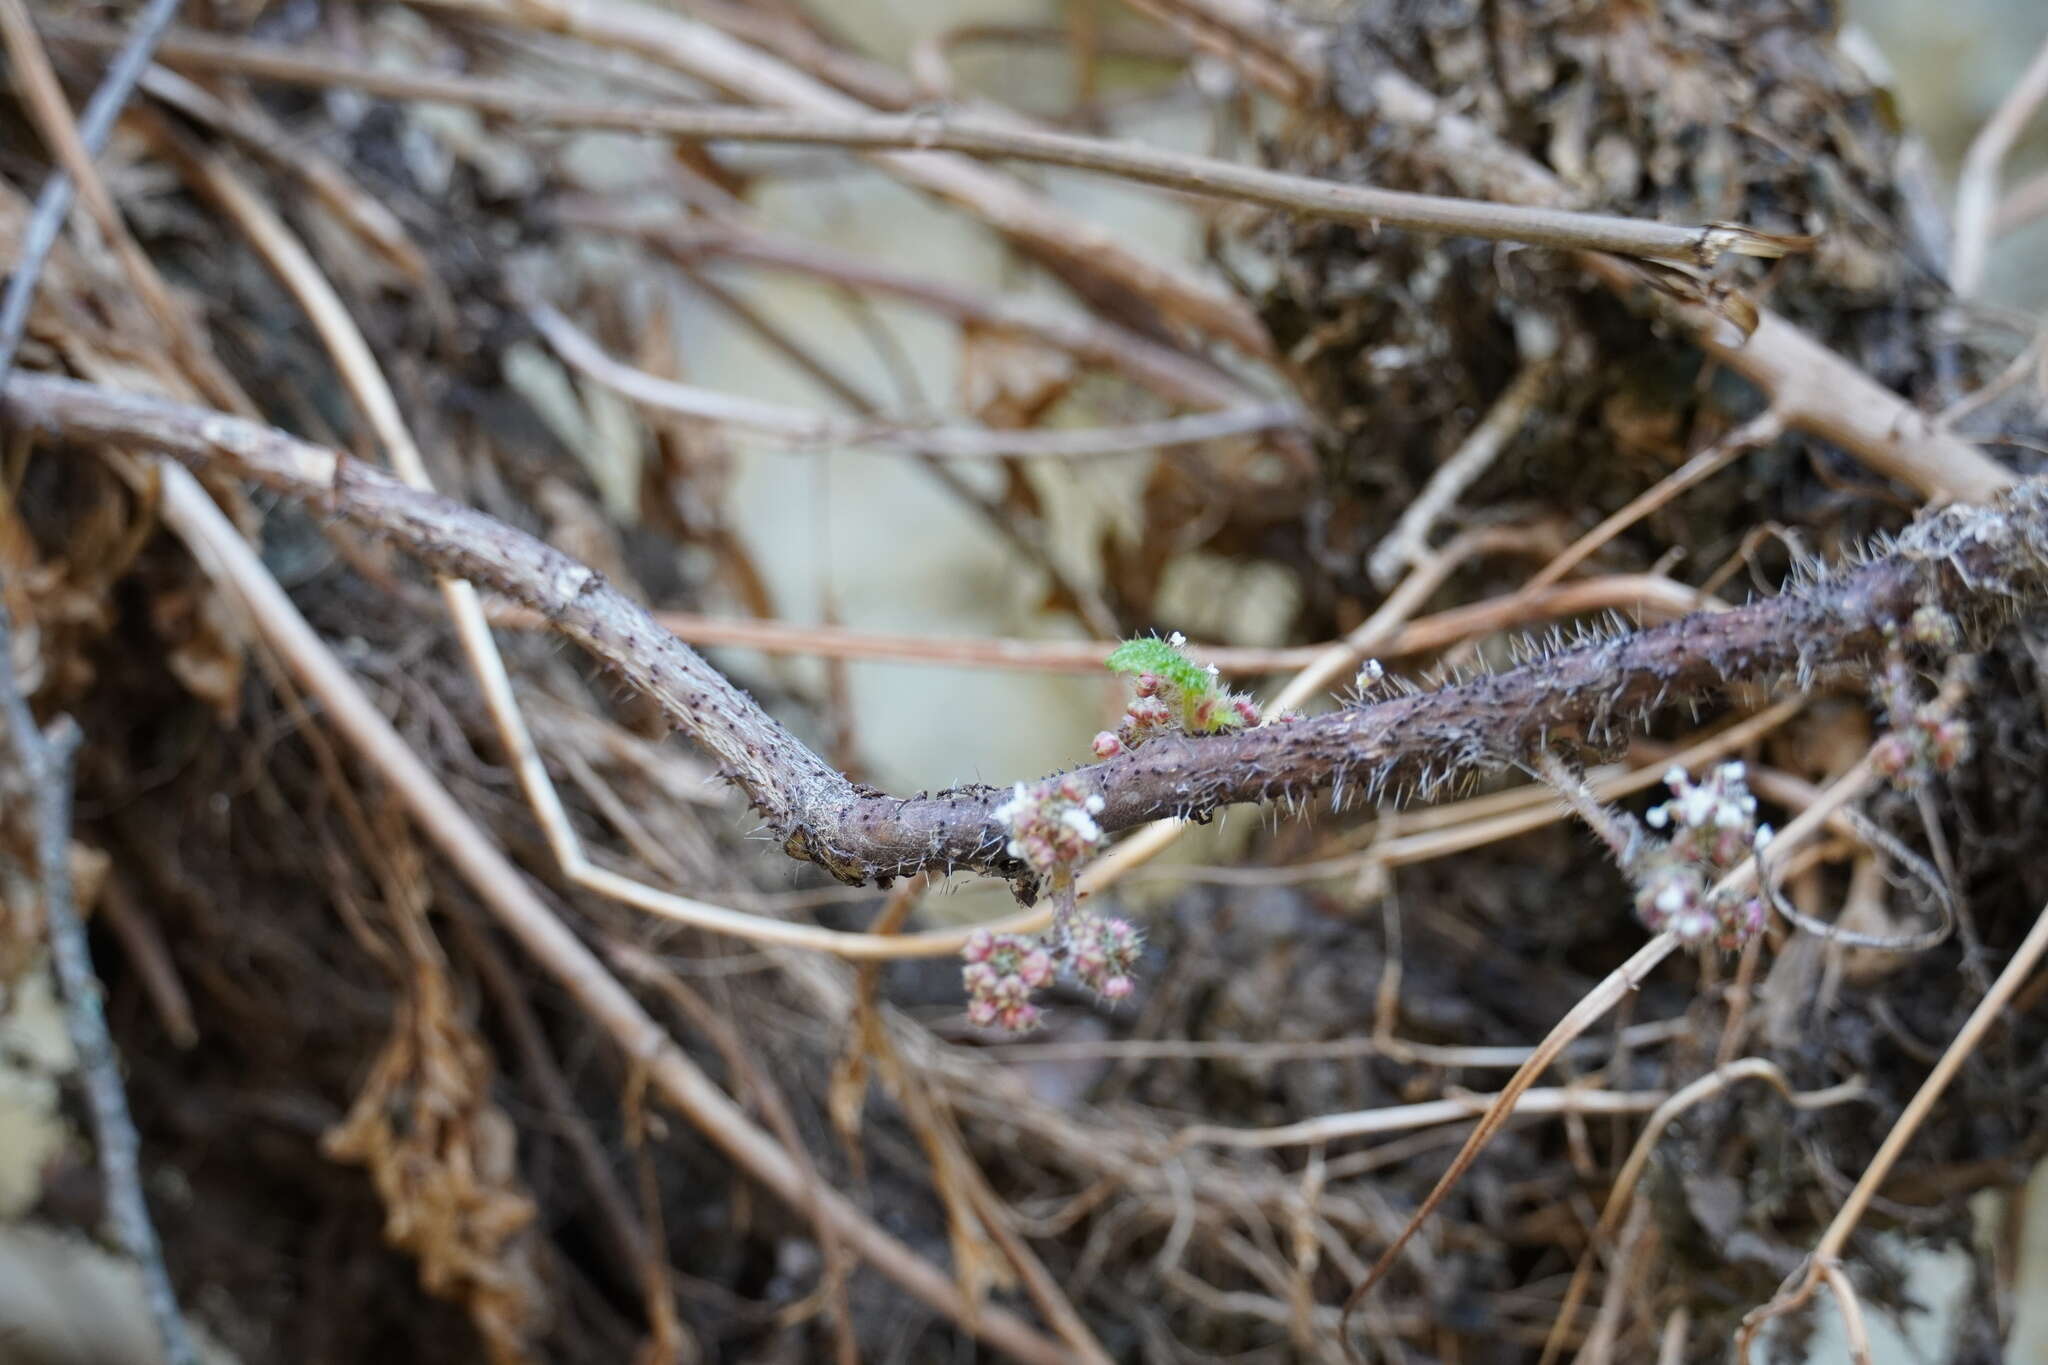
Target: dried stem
x=1167 y=372
x=1409 y=539
x=1760 y=430
x=1648 y=595
x=1610 y=991
x=1814 y=389
x=1092 y=260
x=1977 y=184
x=1826 y=1256
x=1979 y=564
x=801 y=429
x=1398 y=1118
x=1811 y=387
x=133 y=51
x=1622 y=1193
x=45 y=758
x=949 y=132
x=507 y=894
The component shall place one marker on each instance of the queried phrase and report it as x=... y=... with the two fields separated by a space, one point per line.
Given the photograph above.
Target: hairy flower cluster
x=1001 y=973
x=1103 y=952
x=1928 y=737
x=1713 y=829
x=1052 y=825
x=1002 y=970
x=1171 y=694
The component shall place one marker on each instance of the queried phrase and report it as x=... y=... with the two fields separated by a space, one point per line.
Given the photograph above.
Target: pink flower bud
x=980 y=944
x=1019 y=1018
x=1951 y=743
x=1149 y=711
x=1116 y=988
x=1148 y=684
x=1107 y=745
x=981 y=1012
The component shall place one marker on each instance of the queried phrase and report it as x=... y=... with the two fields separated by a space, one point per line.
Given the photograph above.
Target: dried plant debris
x=1689 y=113
x=376 y=1130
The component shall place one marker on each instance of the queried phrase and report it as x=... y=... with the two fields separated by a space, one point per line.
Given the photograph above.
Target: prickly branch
x=1978 y=566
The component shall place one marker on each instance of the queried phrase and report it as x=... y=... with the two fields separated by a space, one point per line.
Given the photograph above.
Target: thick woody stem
x=1980 y=565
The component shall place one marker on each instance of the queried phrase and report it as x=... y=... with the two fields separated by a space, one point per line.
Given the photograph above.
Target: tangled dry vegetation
x=1601 y=370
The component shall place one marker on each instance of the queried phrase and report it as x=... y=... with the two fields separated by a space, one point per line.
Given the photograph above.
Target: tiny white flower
x=1094 y=802
x=1672 y=898
x=1730 y=816
x=1177 y=640
x=1674 y=776
x=1764 y=835
x=1658 y=817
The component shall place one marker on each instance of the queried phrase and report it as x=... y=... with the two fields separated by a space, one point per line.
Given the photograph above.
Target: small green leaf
x=1151 y=654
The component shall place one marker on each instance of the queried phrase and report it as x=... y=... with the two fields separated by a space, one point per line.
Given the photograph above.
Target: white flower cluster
x=1052 y=826
x=1713 y=828
x=1721 y=802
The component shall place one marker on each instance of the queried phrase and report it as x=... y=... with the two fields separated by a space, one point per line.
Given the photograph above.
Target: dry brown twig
x=803 y=430
x=1407 y=542
x=1977 y=182
x=53 y=205
x=1621 y=1194
x=502 y=889
x=1170 y=373
x=1592 y=1006
x=1940 y=566
x=235 y=568
x=1649 y=597
x=1811 y=388
x=847 y=126
x=1080 y=252
x=45 y=759
x=1823 y=1264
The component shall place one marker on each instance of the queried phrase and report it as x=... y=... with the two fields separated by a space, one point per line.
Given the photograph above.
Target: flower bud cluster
x=1052 y=825
x=1002 y=970
x=1171 y=695
x=1001 y=973
x=1713 y=828
x=1927 y=738
x=1103 y=952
